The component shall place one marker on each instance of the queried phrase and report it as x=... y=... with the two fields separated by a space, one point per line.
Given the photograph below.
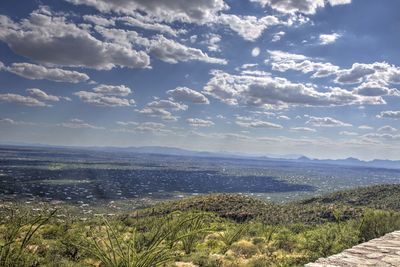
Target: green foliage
x=239 y=232
x=16 y=238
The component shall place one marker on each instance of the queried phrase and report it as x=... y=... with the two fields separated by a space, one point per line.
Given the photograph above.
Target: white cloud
x=51 y=39
x=185 y=94
x=277 y=92
x=22 y=100
x=302 y=129
x=200 y=11
x=365 y=127
x=78 y=124
x=160 y=113
x=41 y=95
x=248 y=27
x=326 y=122
x=212 y=41
x=387 y=129
x=99 y=20
x=127 y=123
x=255 y=52
x=255 y=123
x=116 y=90
x=284 y=61
x=102 y=100
x=326 y=39
x=346 y=133
x=37 y=72
x=167 y=104
x=278 y=36
x=141 y=22
x=375 y=88
x=303 y=6
x=390 y=114
x=172 y=52
x=196 y=122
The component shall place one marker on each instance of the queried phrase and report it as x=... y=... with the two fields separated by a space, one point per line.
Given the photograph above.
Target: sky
x=319 y=78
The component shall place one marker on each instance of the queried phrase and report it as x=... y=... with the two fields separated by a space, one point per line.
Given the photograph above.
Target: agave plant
x=20 y=231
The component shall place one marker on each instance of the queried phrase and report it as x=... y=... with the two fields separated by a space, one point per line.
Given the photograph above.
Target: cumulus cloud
x=184 y=94
x=305 y=6
x=375 y=88
x=173 y=52
x=157 y=112
x=274 y=91
x=390 y=114
x=284 y=61
x=116 y=90
x=167 y=104
x=99 y=99
x=326 y=39
x=51 y=39
x=326 y=122
x=201 y=11
x=196 y=122
x=248 y=27
x=22 y=100
x=41 y=95
x=37 y=72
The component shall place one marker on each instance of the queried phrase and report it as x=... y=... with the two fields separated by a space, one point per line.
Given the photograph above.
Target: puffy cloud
x=304 y=6
x=102 y=100
x=212 y=41
x=284 y=61
x=196 y=122
x=78 y=124
x=53 y=40
x=160 y=113
x=375 y=88
x=387 y=129
x=200 y=11
x=22 y=100
x=185 y=94
x=355 y=74
x=37 y=72
x=153 y=127
x=302 y=129
x=326 y=122
x=117 y=90
x=167 y=104
x=328 y=38
x=123 y=37
x=172 y=52
x=274 y=91
x=41 y=95
x=248 y=27
x=390 y=114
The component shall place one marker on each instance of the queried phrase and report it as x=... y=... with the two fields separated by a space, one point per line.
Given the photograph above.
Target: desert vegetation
x=210 y=230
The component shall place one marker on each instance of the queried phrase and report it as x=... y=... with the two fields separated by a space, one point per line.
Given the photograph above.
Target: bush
x=244 y=248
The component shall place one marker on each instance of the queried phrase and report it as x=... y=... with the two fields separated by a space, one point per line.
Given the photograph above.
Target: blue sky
x=313 y=77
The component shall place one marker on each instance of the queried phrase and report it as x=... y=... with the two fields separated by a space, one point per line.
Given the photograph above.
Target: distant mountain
x=173 y=151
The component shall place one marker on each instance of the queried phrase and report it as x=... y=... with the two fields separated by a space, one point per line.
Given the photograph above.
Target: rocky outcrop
x=379 y=252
